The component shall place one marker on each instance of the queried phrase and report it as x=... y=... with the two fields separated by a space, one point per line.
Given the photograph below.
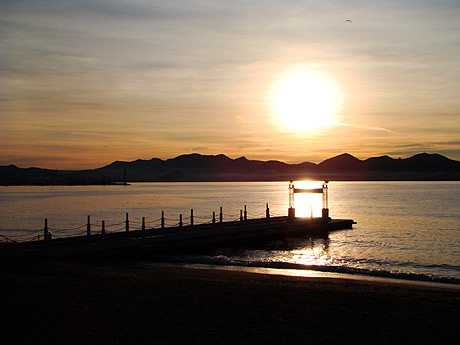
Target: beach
x=122 y=302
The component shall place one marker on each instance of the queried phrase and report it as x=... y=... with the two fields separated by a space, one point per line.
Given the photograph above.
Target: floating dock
x=178 y=239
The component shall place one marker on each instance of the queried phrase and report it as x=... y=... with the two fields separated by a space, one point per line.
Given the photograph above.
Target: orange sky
x=89 y=82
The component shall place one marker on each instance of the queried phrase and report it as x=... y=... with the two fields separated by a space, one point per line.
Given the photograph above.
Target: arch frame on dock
x=324 y=190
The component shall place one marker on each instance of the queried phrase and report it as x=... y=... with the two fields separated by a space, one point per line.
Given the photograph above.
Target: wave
x=379 y=273
x=396 y=263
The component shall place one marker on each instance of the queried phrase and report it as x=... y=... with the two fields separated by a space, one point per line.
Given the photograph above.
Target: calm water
x=405 y=230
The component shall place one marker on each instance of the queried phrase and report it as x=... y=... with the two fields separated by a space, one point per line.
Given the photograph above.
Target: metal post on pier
x=127 y=223
x=103 y=228
x=267 y=212
x=213 y=217
x=45 y=230
x=191 y=217
x=325 y=210
x=291 y=209
x=162 y=219
x=180 y=220
x=221 y=215
x=245 y=213
x=88 y=226
x=241 y=215
x=143 y=227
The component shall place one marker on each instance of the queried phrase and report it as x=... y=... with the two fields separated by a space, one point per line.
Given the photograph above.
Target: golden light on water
x=316 y=254
x=304 y=100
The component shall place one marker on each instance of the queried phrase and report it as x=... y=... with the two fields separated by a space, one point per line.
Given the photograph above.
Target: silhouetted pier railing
x=48 y=232
x=131 y=237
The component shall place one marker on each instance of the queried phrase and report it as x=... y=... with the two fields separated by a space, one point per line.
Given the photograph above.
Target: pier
x=176 y=239
x=180 y=237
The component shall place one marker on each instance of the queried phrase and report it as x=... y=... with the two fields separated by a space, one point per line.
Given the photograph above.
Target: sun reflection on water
x=316 y=253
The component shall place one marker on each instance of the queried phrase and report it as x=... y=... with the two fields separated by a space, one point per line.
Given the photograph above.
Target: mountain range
x=196 y=167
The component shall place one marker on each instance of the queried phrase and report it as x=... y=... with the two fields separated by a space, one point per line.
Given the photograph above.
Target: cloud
x=370 y=128
x=159 y=77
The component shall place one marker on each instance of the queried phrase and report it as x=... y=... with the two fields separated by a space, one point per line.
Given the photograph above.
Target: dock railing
x=129 y=225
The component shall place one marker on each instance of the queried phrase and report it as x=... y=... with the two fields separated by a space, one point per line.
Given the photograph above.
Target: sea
x=408 y=231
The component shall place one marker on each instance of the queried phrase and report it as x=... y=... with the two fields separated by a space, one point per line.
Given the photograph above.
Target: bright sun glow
x=304 y=100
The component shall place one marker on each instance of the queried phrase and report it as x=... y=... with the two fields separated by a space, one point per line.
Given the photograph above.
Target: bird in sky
x=348 y=21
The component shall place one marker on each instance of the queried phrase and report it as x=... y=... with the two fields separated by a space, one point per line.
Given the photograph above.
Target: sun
x=304 y=100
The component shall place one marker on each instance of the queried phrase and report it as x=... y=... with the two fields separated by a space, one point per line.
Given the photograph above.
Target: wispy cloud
x=166 y=76
x=370 y=128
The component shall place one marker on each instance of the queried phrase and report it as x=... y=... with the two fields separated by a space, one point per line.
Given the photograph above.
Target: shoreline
x=306 y=273
x=124 y=302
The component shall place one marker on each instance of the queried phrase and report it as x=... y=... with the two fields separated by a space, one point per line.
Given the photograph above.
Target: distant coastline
x=220 y=168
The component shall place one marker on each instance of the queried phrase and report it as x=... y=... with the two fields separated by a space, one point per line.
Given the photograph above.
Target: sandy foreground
x=120 y=302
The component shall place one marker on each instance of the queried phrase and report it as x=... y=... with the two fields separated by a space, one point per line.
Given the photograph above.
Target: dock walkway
x=177 y=239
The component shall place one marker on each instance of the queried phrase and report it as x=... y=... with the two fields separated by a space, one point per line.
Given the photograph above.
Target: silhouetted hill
x=176 y=176
x=422 y=166
x=197 y=167
x=344 y=162
x=383 y=163
x=430 y=162
x=197 y=161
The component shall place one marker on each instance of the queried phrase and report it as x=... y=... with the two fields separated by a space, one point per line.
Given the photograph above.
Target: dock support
x=267 y=212
x=103 y=228
x=162 y=219
x=127 y=223
x=180 y=220
x=291 y=212
x=191 y=217
x=241 y=215
x=325 y=213
x=213 y=217
x=245 y=213
x=221 y=215
x=143 y=227
x=88 y=227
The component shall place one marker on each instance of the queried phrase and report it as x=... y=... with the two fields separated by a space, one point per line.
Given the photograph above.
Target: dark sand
x=94 y=302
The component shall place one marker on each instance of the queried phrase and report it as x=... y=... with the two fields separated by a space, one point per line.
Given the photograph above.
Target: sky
x=84 y=83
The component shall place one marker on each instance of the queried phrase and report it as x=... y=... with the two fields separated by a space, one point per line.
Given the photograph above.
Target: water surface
x=407 y=230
